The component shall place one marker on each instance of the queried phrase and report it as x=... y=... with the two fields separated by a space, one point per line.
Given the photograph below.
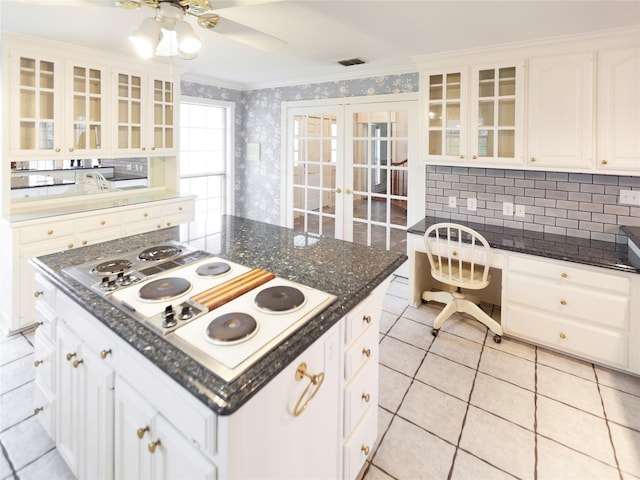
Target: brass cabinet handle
x=38 y=293
x=364 y=449
x=366 y=318
x=142 y=431
x=366 y=352
x=604 y=162
x=562 y=335
x=50 y=232
x=315 y=382
x=70 y=356
x=564 y=274
x=105 y=353
x=563 y=302
x=37 y=362
x=76 y=363
x=153 y=445
x=366 y=397
x=37 y=410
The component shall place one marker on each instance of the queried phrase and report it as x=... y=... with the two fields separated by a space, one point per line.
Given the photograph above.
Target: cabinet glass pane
x=95 y=109
x=46 y=75
x=157 y=90
x=27 y=135
x=506 y=143
x=485 y=114
x=157 y=114
x=123 y=85
x=486 y=86
x=136 y=112
x=168 y=92
x=453 y=86
x=79 y=112
x=453 y=115
x=95 y=82
x=435 y=142
x=158 y=134
x=136 y=87
x=123 y=111
x=79 y=135
x=507 y=113
x=507 y=81
x=452 y=142
x=435 y=87
x=27 y=104
x=435 y=115
x=169 y=138
x=168 y=115
x=95 y=135
x=79 y=80
x=46 y=136
x=485 y=143
x=27 y=72
x=136 y=141
x=123 y=137
x=46 y=105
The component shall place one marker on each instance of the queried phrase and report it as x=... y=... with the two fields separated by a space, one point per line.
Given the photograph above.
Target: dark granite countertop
x=572 y=249
x=347 y=270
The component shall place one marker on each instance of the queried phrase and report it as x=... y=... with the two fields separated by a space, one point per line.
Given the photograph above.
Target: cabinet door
x=129 y=92
x=446 y=115
x=85 y=126
x=497 y=115
x=619 y=110
x=36 y=93
x=560 y=116
x=162 y=115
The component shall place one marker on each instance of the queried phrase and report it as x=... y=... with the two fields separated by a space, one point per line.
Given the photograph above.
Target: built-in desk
x=578 y=296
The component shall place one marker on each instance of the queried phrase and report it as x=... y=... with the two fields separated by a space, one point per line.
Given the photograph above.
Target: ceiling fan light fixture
x=188 y=42
x=146 y=37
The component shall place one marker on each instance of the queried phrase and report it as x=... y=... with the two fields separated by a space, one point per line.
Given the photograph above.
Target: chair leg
x=446 y=312
x=477 y=313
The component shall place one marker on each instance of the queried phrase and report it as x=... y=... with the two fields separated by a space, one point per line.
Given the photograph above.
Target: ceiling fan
x=168 y=33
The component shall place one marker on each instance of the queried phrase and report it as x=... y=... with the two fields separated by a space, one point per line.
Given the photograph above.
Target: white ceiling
x=384 y=33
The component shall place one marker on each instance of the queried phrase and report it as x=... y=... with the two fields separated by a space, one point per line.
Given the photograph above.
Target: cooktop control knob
x=186 y=314
x=169 y=317
x=105 y=282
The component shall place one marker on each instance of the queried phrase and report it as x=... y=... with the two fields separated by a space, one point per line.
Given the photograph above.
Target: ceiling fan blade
x=249 y=36
x=220 y=4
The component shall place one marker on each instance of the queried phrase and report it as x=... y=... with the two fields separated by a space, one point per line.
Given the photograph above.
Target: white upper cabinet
x=560 y=111
x=618 y=142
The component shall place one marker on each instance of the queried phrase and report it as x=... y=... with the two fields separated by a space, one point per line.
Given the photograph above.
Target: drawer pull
x=461 y=157
x=315 y=382
x=145 y=214
x=179 y=209
x=37 y=362
x=37 y=410
x=71 y=149
x=76 y=363
x=562 y=335
x=70 y=245
x=366 y=352
x=105 y=353
x=84 y=242
x=564 y=275
x=364 y=449
x=454 y=253
x=563 y=302
x=153 y=445
x=38 y=293
x=159 y=226
x=102 y=222
x=604 y=162
x=533 y=159
x=366 y=318
x=57 y=149
x=50 y=232
x=70 y=356
x=366 y=397
x=142 y=431
x=168 y=224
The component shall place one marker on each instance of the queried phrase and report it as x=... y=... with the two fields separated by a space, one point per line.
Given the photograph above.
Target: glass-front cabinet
x=86 y=110
x=163 y=118
x=474 y=115
x=129 y=113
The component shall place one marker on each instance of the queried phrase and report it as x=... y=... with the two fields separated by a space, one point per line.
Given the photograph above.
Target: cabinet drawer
x=564 y=273
x=143 y=214
x=46 y=231
x=100 y=235
x=100 y=221
x=45 y=321
x=363 y=351
x=598 y=306
x=359 y=319
x=586 y=341
x=43 y=360
x=45 y=294
x=359 y=395
x=44 y=405
x=360 y=444
x=88 y=332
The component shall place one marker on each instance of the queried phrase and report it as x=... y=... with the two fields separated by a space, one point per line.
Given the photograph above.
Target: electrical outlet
x=507 y=209
x=472 y=204
x=630 y=197
x=520 y=210
x=452 y=202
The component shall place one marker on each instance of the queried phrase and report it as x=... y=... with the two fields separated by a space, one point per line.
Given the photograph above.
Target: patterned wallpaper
x=258 y=120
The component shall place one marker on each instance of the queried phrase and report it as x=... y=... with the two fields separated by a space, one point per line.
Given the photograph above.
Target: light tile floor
x=452 y=407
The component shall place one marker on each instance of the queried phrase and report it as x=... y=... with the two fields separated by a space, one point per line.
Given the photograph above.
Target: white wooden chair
x=459 y=257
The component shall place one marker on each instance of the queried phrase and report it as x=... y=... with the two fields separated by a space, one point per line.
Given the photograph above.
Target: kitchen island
x=215 y=410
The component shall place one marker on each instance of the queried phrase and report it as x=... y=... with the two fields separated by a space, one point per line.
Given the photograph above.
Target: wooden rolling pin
x=217 y=296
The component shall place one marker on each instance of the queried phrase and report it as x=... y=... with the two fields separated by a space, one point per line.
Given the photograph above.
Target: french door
x=351 y=169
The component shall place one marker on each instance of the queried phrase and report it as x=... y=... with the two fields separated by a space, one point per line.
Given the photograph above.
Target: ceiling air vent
x=351 y=61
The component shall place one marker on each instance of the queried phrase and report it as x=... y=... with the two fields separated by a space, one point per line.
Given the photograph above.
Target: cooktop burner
x=112 y=267
x=159 y=252
x=281 y=298
x=231 y=328
x=164 y=288
x=213 y=269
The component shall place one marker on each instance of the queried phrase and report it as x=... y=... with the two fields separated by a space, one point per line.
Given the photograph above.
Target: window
x=206 y=149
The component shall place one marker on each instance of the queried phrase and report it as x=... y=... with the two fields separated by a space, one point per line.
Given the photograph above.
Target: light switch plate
x=452 y=202
x=472 y=204
x=520 y=210
x=507 y=209
x=630 y=197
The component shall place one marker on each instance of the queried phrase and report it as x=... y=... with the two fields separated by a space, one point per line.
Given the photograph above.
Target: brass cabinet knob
x=366 y=318
x=142 y=431
x=153 y=445
x=179 y=209
x=366 y=397
x=70 y=356
x=105 y=353
x=38 y=293
x=563 y=302
x=143 y=148
x=84 y=242
x=159 y=225
x=168 y=224
x=364 y=449
x=562 y=335
x=454 y=253
x=348 y=191
x=37 y=362
x=532 y=159
x=604 y=162
x=338 y=190
x=461 y=157
x=50 y=232
x=102 y=222
x=564 y=274
x=57 y=149
x=70 y=245
x=76 y=363
x=37 y=410
x=474 y=156
x=145 y=214
x=366 y=352
x=71 y=149
x=153 y=148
